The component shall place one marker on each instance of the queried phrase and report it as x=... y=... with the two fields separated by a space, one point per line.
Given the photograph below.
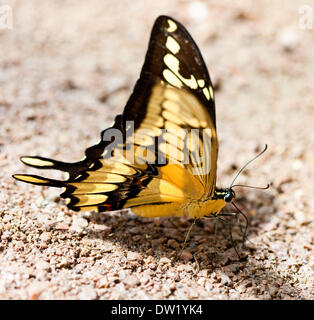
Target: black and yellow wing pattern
x=159 y=158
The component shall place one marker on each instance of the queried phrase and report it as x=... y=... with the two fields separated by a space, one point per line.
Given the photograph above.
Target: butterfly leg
x=230 y=233
x=236 y=215
x=197 y=265
x=213 y=216
x=187 y=237
x=244 y=234
x=215 y=232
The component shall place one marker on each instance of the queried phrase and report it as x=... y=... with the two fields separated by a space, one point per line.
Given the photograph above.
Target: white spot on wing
x=211 y=92
x=206 y=93
x=171 y=78
x=172 y=26
x=172 y=45
x=173 y=64
x=201 y=83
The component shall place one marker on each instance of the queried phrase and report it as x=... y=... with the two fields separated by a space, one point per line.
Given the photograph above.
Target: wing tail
x=46 y=163
x=37 y=180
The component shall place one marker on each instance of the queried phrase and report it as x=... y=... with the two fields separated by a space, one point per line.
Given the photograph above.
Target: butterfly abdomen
x=199 y=209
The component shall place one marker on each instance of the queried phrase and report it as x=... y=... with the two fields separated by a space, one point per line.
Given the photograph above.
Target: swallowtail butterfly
x=159 y=158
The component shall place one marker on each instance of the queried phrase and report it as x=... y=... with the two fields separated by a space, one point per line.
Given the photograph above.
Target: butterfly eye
x=229 y=196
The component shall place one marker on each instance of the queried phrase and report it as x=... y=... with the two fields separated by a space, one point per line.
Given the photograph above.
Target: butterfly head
x=229 y=195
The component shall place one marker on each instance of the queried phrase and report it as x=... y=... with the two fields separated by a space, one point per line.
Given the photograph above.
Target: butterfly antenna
x=252 y=187
x=244 y=167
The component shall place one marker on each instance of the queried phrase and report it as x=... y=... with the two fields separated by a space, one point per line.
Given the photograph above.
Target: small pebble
x=131 y=281
x=173 y=244
x=186 y=255
x=87 y=294
x=46 y=236
x=189 y=268
x=158 y=242
x=164 y=260
x=134 y=256
x=135 y=230
x=62 y=226
x=225 y=280
x=101 y=228
x=272 y=291
x=152 y=266
x=137 y=238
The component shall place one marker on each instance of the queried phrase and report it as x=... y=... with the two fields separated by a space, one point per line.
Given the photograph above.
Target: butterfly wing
x=161 y=153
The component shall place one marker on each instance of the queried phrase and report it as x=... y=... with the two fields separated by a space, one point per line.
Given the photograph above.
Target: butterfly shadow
x=209 y=248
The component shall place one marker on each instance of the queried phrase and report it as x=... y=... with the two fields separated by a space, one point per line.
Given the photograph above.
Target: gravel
x=68 y=69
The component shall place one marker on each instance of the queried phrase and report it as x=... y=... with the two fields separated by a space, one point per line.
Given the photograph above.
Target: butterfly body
x=159 y=158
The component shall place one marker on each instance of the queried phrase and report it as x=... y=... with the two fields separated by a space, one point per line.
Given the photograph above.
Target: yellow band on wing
x=33 y=161
x=30 y=179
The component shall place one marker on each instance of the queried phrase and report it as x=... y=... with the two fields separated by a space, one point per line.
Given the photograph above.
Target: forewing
x=161 y=152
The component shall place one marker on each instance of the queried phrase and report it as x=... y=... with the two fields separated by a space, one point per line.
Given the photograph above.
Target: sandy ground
x=68 y=67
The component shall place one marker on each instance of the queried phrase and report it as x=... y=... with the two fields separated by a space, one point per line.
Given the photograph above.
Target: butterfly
x=159 y=158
